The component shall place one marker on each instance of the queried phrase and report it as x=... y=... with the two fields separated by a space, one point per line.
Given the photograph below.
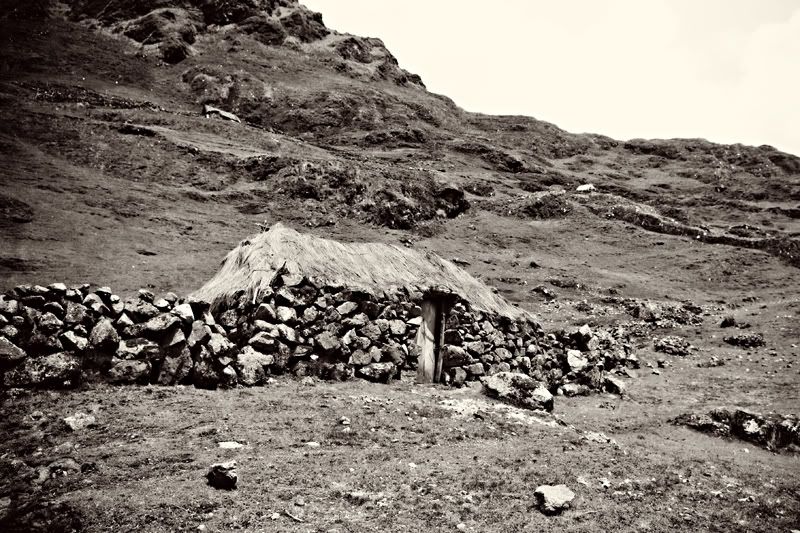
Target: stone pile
x=570 y=362
x=746 y=340
x=771 y=431
x=673 y=345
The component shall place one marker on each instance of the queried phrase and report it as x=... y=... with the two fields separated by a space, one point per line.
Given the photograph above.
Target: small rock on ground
x=553 y=499
x=79 y=421
x=223 y=475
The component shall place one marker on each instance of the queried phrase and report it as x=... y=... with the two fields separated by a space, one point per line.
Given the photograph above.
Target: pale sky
x=725 y=70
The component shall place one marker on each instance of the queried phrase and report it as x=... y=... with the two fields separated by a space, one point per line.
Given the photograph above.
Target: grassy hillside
x=112 y=175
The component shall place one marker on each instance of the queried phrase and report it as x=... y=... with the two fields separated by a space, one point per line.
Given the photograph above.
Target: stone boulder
x=518 y=389
x=142 y=311
x=174 y=339
x=49 y=323
x=287 y=315
x=453 y=356
x=614 y=385
x=199 y=335
x=458 y=376
x=10 y=353
x=397 y=327
x=372 y=331
x=746 y=340
x=673 y=345
x=378 y=372
x=266 y=312
x=127 y=372
x=54 y=308
x=9 y=307
x=160 y=326
x=327 y=343
x=574 y=389
x=553 y=499
x=80 y=421
x=104 y=337
x=251 y=366
x=228 y=378
x=59 y=370
x=219 y=346
x=264 y=342
x=475 y=369
x=576 y=361
x=40 y=343
x=138 y=349
x=347 y=308
x=287 y=333
x=9 y=332
x=184 y=312
x=204 y=374
x=395 y=353
x=176 y=368
x=73 y=342
x=162 y=305
x=223 y=475
x=360 y=358
x=93 y=302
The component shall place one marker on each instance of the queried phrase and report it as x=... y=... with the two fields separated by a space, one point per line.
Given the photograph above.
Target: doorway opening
x=430 y=336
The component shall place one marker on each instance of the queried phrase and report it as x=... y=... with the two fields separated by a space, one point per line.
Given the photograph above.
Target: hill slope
x=113 y=175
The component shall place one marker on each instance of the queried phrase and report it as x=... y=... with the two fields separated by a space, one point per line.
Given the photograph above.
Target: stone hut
x=294 y=302
x=285 y=302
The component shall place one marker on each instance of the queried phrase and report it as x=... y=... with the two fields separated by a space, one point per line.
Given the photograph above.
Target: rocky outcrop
x=518 y=389
x=771 y=431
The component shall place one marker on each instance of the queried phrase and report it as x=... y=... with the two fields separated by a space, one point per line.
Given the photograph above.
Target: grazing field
x=394 y=458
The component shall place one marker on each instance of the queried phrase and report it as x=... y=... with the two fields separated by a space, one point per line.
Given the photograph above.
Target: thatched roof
x=254 y=265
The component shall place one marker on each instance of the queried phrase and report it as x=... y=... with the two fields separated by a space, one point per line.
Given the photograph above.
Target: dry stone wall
x=59 y=336
x=570 y=362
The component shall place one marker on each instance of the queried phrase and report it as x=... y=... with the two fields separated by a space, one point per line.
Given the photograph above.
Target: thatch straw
x=255 y=263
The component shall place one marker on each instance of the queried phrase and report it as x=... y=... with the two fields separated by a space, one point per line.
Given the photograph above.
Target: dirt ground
x=415 y=457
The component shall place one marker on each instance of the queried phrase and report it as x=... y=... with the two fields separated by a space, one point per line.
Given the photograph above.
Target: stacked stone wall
x=59 y=336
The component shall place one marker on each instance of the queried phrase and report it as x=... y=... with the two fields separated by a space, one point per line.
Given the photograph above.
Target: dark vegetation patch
x=499 y=159
x=14 y=211
x=17 y=264
x=160 y=25
x=394 y=198
x=790 y=212
x=479 y=189
x=264 y=29
x=396 y=137
x=58 y=93
x=32 y=513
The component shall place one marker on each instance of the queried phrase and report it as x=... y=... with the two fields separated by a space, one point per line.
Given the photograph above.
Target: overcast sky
x=725 y=70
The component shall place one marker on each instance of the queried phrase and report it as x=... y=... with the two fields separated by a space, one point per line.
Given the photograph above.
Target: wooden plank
x=437 y=375
x=426 y=341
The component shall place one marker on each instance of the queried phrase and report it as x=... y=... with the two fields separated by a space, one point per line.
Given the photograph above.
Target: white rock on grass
x=553 y=499
x=230 y=445
x=79 y=421
x=518 y=389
